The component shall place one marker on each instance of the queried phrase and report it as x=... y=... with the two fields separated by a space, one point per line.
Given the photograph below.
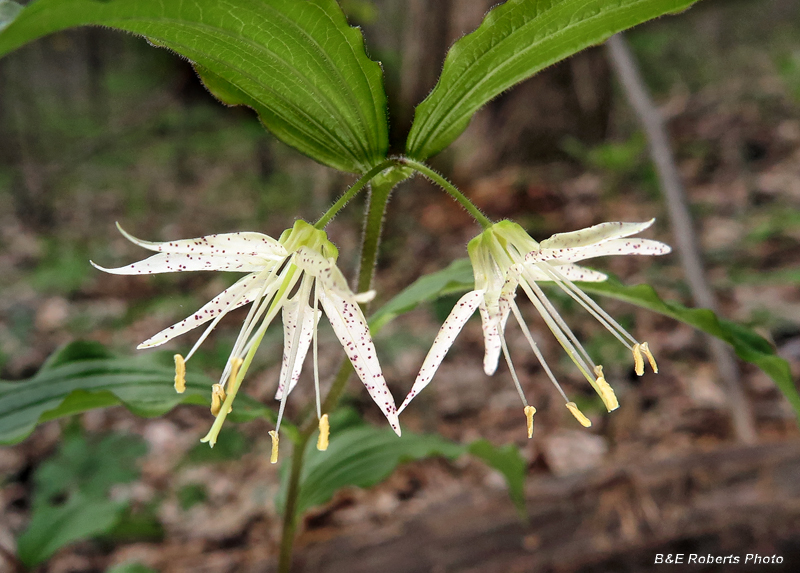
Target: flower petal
x=593 y=235
x=179 y=262
x=491 y=338
x=458 y=317
x=245 y=289
x=291 y=310
x=256 y=244
x=351 y=328
x=572 y=272
x=324 y=269
x=608 y=248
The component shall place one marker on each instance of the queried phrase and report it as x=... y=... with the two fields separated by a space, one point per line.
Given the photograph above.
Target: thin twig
x=624 y=64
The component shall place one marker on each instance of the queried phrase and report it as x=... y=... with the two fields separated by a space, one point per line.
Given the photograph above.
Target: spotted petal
x=291 y=311
x=239 y=294
x=458 y=317
x=256 y=244
x=491 y=338
x=572 y=272
x=179 y=262
x=607 y=248
x=325 y=269
x=351 y=328
x=593 y=235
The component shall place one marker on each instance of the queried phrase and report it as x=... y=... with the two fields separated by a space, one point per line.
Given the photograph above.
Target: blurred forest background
x=97 y=127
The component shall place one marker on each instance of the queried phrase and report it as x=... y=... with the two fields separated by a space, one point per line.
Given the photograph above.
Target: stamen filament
x=586 y=302
x=557 y=332
x=259 y=306
x=536 y=351
x=555 y=316
x=511 y=367
x=232 y=305
x=277 y=302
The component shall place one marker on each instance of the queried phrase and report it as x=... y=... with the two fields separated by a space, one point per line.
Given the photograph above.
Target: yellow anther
x=529 y=412
x=217 y=398
x=180 y=374
x=324 y=433
x=605 y=390
x=646 y=350
x=273 y=458
x=638 y=359
x=235 y=364
x=573 y=407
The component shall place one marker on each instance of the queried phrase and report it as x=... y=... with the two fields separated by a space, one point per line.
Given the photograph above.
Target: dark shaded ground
x=97 y=127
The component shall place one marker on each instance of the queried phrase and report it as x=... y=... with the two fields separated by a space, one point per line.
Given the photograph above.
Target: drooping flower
x=505 y=257
x=295 y=275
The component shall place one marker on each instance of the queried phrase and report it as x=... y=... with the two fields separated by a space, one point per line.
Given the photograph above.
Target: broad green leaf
x=425 y=289
x=53 y=527
x=362 y=457
x=83 y=376
x=70 y=498
x=508 y=461
x=297 y=63
x=516 y=40
x=90 y=467
x=748 y=345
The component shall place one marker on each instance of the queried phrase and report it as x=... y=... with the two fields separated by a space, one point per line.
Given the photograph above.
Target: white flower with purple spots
x=295 y=275
x=505 y=257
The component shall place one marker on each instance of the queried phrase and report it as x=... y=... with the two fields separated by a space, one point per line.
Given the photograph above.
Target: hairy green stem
x=370 y=242
x=450 y=188
x=373 y=224
x=352 y=191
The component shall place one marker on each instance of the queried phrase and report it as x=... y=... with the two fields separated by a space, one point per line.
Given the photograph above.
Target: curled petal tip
x=365 y=297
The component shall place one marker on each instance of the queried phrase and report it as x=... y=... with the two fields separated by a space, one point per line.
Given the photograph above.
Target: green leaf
x=70 y=499
x=53 y=527
x=361 y=457
x=131 y=567
x=748 y=345
x=298 y=64
x=89 y=468
x=516 y=40
x=83 y=376
x=508 y=461
x=425 y=289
